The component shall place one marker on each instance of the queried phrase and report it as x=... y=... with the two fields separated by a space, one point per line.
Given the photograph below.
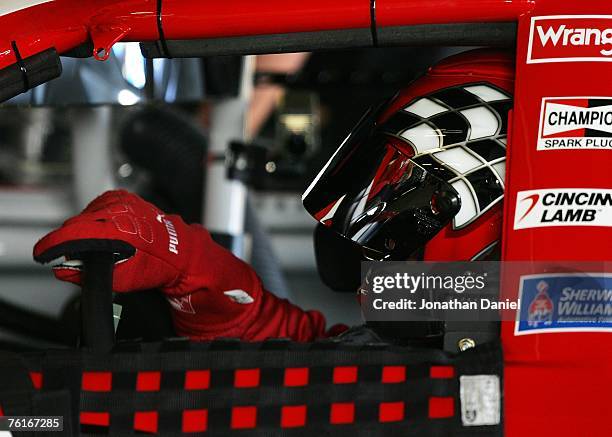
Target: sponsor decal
x=570 y=38
x=575 y=123
x=565 y=302
x=173 y=241
x=480 y=400
x=182 y=304
x=563 y=207
x=239 y=296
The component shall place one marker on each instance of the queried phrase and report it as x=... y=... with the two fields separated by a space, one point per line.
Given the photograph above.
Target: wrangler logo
x=570 y=38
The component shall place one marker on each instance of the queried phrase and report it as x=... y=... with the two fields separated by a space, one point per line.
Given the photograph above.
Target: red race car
x=548 y=100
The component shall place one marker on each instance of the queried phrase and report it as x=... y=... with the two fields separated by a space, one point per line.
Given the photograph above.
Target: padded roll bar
x=495 y=34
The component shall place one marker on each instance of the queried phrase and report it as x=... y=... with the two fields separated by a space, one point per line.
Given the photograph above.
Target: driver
x=421 y=177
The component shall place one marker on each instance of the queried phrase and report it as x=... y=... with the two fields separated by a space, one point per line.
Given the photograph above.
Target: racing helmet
x=422 y=176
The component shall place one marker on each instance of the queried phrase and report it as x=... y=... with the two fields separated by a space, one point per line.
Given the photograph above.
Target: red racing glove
x=212 y=293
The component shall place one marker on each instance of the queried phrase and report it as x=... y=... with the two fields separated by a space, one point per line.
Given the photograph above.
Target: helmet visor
x=374 y=194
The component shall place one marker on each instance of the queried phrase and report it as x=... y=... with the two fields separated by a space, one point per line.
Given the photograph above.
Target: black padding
x=28 y=73
x=455 y=34
x=75 y=247
x=97 y=301
x=338 y=260
x=261 y=44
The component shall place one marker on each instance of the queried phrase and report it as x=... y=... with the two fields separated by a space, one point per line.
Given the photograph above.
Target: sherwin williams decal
x=565 y=302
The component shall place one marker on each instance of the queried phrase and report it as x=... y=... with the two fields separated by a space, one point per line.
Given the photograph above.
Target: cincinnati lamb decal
x=564 y=302
x=459 y=135
x=570 y=38
x=575 y=123
x=563 y=207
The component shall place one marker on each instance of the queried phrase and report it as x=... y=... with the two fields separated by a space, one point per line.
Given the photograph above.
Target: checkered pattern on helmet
x=459 y=135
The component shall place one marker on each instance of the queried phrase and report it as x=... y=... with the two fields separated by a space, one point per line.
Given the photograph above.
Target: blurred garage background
x=148 y=126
